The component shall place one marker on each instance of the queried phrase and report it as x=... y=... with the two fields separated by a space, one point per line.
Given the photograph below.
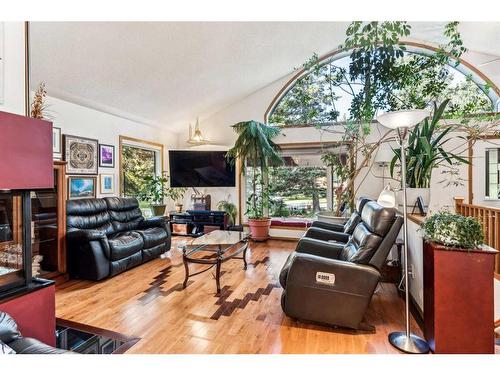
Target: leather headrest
x=121 y=204
x=360 y=204
x=378 y=219
x=352 y=223
x=8 y=328
x=87 y=206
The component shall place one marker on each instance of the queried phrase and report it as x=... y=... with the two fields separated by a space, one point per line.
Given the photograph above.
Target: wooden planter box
x=458 y=299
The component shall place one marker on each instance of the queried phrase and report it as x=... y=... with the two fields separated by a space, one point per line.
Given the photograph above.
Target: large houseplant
x=156 y=191
x=256 y=152
x=425 y=152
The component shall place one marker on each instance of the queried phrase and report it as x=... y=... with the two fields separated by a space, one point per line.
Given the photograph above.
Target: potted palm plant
x=256 y=152
x=425 y=152
x=176 y=194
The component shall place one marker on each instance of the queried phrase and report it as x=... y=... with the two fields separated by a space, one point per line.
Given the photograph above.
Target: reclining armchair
x=333 y=283
x=321 y=230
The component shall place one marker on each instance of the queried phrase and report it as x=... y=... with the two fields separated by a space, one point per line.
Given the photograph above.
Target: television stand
x=196 y=223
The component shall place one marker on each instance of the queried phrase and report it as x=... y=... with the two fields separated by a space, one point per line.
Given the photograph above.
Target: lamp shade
x=384 y=154
x=402 y=119
x=387 y=197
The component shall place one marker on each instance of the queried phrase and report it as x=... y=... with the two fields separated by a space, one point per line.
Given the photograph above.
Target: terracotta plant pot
x=158 y=210
x=259 y=229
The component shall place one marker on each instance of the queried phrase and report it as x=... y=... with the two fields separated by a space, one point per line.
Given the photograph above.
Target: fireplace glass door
x=11 y=240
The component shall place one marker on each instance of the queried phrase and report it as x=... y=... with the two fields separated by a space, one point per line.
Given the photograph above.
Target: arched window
x=324 y=94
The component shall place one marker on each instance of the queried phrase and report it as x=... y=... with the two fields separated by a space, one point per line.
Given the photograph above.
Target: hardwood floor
x=149 y=302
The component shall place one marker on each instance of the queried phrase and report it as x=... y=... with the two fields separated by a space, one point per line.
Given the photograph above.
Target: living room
x=339 y=196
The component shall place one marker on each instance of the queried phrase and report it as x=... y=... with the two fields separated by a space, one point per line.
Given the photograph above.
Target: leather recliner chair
x=321 y=230
x=108 y=236
x=331 y=283
x=10 y=336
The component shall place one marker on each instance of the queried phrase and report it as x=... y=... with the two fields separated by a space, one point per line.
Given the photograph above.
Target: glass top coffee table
x=213 y=249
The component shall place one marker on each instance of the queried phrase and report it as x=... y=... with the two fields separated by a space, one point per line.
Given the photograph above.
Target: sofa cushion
x=90 y=213
x=153 y=236
x=124 y=212
x=361 y=246
x=8 y=328
x=378 y=219
x=124 y=244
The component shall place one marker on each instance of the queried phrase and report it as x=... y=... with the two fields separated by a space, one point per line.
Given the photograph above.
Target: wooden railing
x=489 y=217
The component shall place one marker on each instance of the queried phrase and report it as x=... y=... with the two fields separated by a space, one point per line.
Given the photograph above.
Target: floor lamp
x=401 y=121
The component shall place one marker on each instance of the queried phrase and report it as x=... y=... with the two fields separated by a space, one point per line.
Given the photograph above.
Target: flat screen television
x=200 y=169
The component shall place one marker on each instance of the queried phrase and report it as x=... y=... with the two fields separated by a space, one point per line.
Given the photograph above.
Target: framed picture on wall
x=81 y=187
x=106 y=156
x=107 y=183
x=56 y=142
x=81 y=154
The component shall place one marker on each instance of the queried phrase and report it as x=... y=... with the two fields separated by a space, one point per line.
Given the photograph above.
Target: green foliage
x=279 y=208
x=453 y=230
x=137 y=164
x=425 y=150
x=298 y=180
x=230 y=209
x=255 y=148
x=154 y=189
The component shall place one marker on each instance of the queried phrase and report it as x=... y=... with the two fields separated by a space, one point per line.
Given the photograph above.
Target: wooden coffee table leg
x=245 y=256
x=217 y=274
x=186 y=267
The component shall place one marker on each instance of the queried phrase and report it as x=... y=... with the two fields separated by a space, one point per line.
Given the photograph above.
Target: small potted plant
x=453 y=231
x=256 y=152
x=154 y=192
x=176 y=194
x=230 y=209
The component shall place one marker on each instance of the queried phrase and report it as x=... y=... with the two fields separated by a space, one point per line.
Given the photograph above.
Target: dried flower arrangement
x=39 y=107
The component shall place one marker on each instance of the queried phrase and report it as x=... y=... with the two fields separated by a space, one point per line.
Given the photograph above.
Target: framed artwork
x=56 y=142
x=107 y=183
x=81 y=154
x=81 y=187
x=106 y=156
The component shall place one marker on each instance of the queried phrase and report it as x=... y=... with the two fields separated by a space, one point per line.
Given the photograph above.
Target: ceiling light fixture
x=196 y=138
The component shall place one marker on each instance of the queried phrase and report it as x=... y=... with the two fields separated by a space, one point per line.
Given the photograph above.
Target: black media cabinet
x=196 y=222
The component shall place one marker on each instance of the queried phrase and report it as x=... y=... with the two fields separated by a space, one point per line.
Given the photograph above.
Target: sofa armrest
x=319 y=248
x=352 y=278
x=326 y=235
x=328 y=226
x=155 y=221
x=85 y=235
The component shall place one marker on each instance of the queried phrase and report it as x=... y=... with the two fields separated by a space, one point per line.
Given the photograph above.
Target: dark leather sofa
x=108 y=236
x=333 y=283
x=10 y=336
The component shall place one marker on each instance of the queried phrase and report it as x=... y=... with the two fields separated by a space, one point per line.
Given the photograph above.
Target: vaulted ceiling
x=167 y=73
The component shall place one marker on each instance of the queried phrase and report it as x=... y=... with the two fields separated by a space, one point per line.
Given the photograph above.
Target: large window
x=138 y=159
x=325 y=95
x=302 y=186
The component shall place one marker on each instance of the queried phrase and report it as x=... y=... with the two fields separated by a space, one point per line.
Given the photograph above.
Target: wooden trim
x=121 y=139
x=289 y=84
x=279 y=238
x=497 y=276
x=497 y=323
x=60 y=167
x=26 y=69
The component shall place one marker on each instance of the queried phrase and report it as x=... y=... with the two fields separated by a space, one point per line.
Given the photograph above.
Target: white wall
x=82 y=121
x=13 y=67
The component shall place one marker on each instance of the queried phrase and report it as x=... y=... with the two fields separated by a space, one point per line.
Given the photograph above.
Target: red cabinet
x=458 y=299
